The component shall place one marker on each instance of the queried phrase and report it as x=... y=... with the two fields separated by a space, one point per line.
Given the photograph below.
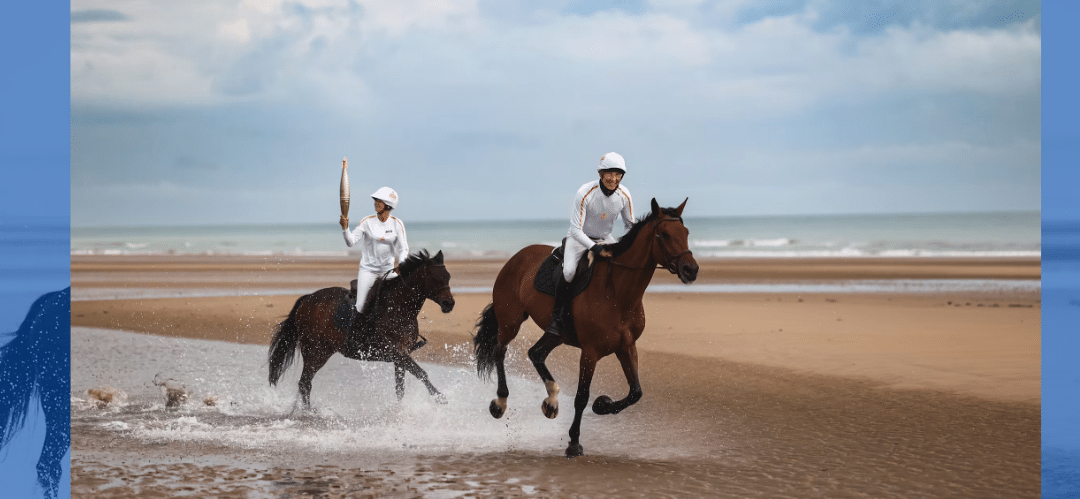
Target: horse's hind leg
x=628 y=359
x=538 y=354
x=507 y=331
x=314 y=359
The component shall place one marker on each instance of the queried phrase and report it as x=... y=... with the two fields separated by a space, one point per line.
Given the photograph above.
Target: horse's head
x=670 y=246
x=435 y=283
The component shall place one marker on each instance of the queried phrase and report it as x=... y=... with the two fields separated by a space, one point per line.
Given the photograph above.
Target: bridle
x=670 y=260
x=427 y=267
x=444 y=288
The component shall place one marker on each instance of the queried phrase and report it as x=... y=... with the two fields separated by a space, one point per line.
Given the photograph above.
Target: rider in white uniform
x=596 y=206
x=382 y=243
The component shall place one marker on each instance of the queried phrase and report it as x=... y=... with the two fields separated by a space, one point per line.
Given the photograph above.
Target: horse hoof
x=549 y=410
x=496 y=410
x=574 y=450
x=603 y=405
x=440 y=399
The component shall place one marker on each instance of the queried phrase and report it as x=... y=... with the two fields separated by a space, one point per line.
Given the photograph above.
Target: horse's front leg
x=538 y=354
x=407 y=363
x=399 y=380
x=628 y=359
x=586 y=369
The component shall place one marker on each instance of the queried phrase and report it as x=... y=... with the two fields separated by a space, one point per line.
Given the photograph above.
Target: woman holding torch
x=382 y=242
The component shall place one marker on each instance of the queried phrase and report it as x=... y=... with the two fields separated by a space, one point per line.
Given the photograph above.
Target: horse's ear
x=438 y=258
x=655 y=207
x=678 y=211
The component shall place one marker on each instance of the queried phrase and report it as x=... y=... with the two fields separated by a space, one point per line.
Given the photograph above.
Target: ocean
x=1001 y=234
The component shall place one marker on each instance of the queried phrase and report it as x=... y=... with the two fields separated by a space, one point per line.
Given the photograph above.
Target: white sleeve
x=577 y=217
x=350 y=237
x=402 y=242
x=628 y=210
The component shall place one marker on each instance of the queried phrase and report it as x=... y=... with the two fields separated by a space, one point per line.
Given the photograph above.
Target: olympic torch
x=345 y=187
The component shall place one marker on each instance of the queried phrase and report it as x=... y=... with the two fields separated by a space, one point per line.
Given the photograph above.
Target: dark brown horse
x=319 y=325
x=607 y=316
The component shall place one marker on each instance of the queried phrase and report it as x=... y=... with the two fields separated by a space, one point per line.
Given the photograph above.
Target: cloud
x=98 y=16
x=471 y=93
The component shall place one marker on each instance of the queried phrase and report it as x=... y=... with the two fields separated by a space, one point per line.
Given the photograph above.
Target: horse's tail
x=283 y=346
x=486 y=341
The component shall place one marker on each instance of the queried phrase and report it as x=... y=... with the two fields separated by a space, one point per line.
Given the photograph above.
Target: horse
x=607 y=317
x=319 y=325
x=38 y=361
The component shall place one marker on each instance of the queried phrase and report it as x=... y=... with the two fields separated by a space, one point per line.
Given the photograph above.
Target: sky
x=241 y=111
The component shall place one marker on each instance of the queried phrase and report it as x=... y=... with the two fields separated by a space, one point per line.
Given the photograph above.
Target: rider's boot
x=560 y=314
x=356 y=329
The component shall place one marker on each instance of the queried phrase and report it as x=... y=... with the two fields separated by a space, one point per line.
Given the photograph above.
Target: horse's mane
x=405 y=270
x=627 y=240
x=413 y=262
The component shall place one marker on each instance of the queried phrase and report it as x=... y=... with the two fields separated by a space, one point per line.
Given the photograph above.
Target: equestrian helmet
x=386 y=195
x=612 y=161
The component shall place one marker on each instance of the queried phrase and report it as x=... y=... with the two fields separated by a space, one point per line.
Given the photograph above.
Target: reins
x=429 y=266
x=670 y=260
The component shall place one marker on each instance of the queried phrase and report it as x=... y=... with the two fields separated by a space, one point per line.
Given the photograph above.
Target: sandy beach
x=828 y=394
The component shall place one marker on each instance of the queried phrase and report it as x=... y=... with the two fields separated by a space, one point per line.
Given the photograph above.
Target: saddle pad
x=550 y=273
x=344 y=313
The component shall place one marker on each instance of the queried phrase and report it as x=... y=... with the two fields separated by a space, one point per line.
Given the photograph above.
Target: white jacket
x=594 y=214
x=380 y=243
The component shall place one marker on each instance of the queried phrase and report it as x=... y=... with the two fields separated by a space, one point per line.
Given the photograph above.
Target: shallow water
x=704 y=429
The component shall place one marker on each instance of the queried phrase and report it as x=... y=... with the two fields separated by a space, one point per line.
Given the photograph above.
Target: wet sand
x=775 y=395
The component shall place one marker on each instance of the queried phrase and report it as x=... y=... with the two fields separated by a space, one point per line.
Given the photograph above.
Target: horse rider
x=382 y=243
x=596 y=205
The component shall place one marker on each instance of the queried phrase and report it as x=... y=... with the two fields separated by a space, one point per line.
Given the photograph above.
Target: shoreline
x=985 y=344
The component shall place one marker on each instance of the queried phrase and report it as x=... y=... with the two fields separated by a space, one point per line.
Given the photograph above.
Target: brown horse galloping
x=607 y=316
x=319 y=324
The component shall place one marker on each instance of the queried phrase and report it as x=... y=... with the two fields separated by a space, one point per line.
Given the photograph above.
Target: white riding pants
x=365 y=280
x=572 y=253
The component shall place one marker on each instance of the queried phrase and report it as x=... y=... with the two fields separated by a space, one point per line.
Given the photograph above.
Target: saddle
x=550 y=273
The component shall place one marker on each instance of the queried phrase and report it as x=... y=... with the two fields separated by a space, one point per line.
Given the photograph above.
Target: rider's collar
x=606 y=191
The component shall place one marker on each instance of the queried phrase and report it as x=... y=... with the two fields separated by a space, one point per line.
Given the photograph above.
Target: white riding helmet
x=612 y=160
x=386 y=195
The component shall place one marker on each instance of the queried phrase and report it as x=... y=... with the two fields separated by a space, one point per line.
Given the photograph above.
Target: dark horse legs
x=405 y=363
x=586 y=370
x=498 y=406
x=314 y=359
x=603 y=403
x=538 y=354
